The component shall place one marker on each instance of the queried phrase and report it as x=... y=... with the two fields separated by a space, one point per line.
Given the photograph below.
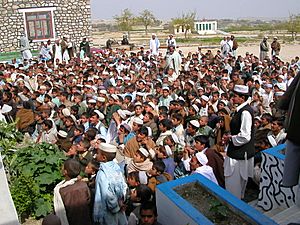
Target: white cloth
x=59 y=206
x=208 y=172
x=174 y=62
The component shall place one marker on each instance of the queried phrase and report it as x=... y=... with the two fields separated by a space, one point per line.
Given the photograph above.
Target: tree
x=293 y=25
x=125 y=21
x=147 y=18
x=186 y=21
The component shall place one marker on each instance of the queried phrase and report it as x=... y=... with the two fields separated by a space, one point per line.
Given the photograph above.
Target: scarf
x=143 y=166
x=59 y=206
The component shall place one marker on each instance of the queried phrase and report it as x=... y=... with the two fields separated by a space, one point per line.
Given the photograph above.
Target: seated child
x=157 y=175
x=140 y=162
x=164 y=153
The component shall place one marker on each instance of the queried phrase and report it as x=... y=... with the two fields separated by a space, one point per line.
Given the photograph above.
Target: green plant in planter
x=41 y=165
x=221 y=212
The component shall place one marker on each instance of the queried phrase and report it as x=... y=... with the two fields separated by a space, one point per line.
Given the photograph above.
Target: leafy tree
x=147 y=18
x=186 y=21
x=293 y=25
x=125 y=21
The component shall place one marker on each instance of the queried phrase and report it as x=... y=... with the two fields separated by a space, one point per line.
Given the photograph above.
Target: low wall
x=175 y=210
x=272 y=195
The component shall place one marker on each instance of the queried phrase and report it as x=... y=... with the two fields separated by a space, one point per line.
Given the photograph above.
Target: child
x=110 y=188
x=148 y=214
x=84 y=156
x=164 y=153
x=70 y=210
x=140 y=162
x=157 y=175
x=138 y=196
x=78 y=134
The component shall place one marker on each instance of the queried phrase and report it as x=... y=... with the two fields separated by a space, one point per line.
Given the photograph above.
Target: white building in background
x=180 y=30
x=206 y=27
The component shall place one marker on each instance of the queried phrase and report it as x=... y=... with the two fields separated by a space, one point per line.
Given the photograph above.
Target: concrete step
x=290 y=215
x=254 y=205
x=274 y=212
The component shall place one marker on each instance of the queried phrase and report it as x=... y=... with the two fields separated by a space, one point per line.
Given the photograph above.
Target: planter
x=272 y=195
x=174 y=209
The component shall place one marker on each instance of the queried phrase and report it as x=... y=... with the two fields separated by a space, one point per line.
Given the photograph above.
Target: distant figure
x=154 y=45
x=171 y=42
x=264 y=49
x=275 y=46
x=25 y=48
x=234 y=45
x=84 y=48
x=125 y=40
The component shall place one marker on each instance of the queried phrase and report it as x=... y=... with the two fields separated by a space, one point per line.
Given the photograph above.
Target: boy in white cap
x=198 y=164
x=110 y=188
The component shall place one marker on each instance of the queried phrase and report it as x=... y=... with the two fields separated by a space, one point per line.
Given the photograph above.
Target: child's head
x=106 y=152
x=163 y=152
x=71 y=168
x=177 y=119
x=83 y=146
x=133 y=179
x=158 y=168
x=79 y=130
x=141 y=194
x=84 y=118
x=203 y=121
x=92 y=168
x=72 y=150
x=148 y=213
x=141 y=155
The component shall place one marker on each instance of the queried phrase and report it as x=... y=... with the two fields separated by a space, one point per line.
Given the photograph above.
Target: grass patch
x=8 y=56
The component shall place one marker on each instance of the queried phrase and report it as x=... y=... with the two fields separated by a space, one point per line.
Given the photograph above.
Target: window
x=39 y=23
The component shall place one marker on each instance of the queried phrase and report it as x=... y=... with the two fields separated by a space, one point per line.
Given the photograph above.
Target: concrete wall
x=71 y=17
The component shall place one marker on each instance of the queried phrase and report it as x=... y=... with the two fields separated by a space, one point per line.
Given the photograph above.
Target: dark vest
x=238 y=152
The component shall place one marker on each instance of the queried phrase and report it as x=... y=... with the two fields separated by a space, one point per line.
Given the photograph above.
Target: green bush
x=36 y=170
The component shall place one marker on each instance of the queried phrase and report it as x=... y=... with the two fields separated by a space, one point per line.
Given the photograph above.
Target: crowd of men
x=129 y=121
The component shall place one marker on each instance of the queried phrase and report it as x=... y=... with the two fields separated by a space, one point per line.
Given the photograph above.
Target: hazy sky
x=208 y=9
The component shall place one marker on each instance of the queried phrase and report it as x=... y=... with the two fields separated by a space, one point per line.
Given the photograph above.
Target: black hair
x=166 y=123
x=73 y=168
x=80 y=128
x=150 y=205
x=177 y=116
x=134 y=175
x=144 y=193
x=268 y=117
x=203 y=139
x=144 y=130
x=159 y=166
x=163 y=108
x=91 y=134
x=48 y=123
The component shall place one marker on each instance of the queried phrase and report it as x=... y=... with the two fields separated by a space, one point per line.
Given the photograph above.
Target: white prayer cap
x=115 y=97
x=149 y=131
x=100 y=114
x=279 y=93
x=126 y=126
x=43 y=87
x=107 y=148
x=152 y=105
x=195 y=123
x=127 y=78
x=127 y=112
x=144 y=152
x=92 y=101
x=241 y=89
x=140 y=94
x=62 y=133
x=143 y=177
x=153 y=34
x=281 y=76
x=191 y=82
x=39 y=100
x=66 y=112
x=205 y=98
x=138 y=121
x=281 y=86
x=196 y=108
x=100 y=99
x=74 y=119
x=268 y=85
x=202 y=158
x=168 y=150
x=166 y=88
x=121 y=114
x=105 y=73
x=5 y=108
x=104 y=92
x=88 y=86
